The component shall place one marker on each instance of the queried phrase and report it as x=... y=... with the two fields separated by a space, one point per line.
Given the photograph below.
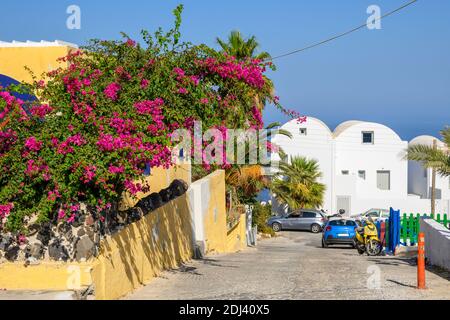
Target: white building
x=363 y=165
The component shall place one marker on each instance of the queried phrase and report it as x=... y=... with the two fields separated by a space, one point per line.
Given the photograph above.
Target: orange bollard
x=421 y=262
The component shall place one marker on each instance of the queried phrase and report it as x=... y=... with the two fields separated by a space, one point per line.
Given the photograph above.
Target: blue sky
x=399 y=76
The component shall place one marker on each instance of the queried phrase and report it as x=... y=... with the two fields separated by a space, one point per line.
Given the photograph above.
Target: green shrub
x=260 y=215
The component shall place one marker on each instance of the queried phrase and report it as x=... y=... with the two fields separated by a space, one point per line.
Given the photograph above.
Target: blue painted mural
x=6 y=81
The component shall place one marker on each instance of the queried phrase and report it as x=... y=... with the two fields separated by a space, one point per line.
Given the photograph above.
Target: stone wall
x=80 y=240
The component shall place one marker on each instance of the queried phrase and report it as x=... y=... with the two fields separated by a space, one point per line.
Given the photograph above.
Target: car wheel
x=324 y=244
x=276 y=227
x=315 y=228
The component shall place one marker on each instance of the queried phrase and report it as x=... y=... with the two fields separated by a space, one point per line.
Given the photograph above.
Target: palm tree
x=246 y=181
x=431 y=157
x=296 y=184
x=242 y=48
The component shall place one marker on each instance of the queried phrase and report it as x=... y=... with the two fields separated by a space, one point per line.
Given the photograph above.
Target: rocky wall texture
x=80 y=240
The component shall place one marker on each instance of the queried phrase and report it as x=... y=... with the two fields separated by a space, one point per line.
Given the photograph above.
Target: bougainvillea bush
x=110 y=113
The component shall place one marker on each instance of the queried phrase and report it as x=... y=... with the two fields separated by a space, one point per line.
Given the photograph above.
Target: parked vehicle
x=339 y=231
x=374 y=214
x=303 y=219
x=366 y=239
x=339 y=215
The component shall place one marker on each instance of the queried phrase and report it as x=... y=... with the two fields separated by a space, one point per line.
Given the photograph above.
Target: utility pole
x=433 y=184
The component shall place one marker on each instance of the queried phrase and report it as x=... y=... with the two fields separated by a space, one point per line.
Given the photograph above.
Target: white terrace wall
x=437 y=243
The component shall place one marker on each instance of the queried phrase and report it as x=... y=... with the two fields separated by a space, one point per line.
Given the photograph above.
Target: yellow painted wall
x=218 y=238
x=159 y=179
x=215 y=220
x=39 y=59
x=45 y=276
x=160 y=241
x=237 y=236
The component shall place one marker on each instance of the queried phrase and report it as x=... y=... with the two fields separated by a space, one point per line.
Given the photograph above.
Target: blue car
x=339 y=231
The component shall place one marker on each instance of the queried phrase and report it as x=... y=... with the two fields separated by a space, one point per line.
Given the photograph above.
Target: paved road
x=294 y=266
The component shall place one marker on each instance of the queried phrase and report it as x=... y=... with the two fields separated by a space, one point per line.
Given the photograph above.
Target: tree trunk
x=433 y=184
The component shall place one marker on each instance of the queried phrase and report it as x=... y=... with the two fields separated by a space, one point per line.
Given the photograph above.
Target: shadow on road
x=400 y=283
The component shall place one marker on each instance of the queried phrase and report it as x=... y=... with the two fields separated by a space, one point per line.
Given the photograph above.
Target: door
x=293 y=221
x=344 y=203
x=384 y=180
x=308 y=218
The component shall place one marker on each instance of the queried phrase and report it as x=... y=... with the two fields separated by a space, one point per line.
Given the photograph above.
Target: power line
x=345 y=33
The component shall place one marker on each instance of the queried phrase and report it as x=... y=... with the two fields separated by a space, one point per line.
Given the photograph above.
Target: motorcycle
x=366 y=239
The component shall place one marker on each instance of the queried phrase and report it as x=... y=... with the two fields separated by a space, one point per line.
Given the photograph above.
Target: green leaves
x=296 y=184
x=93 y=125
x=429 y=157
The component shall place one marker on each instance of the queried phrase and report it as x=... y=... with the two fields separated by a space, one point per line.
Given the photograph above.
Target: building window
x=367 y=137
x=345 y=172
x=362 y=174
x=384 y=180
x=303 y=131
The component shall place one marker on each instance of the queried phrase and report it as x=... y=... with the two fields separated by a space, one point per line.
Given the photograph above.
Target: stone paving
x=294 y=266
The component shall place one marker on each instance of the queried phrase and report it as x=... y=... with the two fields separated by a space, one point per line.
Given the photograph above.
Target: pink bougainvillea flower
x=32 y=144
x=61 y=214
x=132 y=187
x=257 y=116
x=179 y=73
x=53 y=195
x=5 y=210
x=122 y=73
x=204 y=100
x=89 y=174
x=66 y=147
x=250 y=73
x=75 y=208
x=71 y=219
x=195 y=80
x=182 y=90
x=131 y=43
x=22 y=239
x=41 y=111
x=116 y=170
x=144 y=83
x=7 y=140
x=111 y=91
x=149 y=106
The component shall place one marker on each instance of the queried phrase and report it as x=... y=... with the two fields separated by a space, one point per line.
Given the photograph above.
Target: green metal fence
x=410 y=225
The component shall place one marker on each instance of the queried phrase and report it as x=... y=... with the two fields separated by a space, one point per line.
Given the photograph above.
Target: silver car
x=303 y=219
x=374 y=213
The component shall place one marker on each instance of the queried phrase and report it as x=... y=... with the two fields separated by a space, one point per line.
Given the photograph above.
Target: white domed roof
x=308 y=121
x=427 y=141
x=344 y=126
